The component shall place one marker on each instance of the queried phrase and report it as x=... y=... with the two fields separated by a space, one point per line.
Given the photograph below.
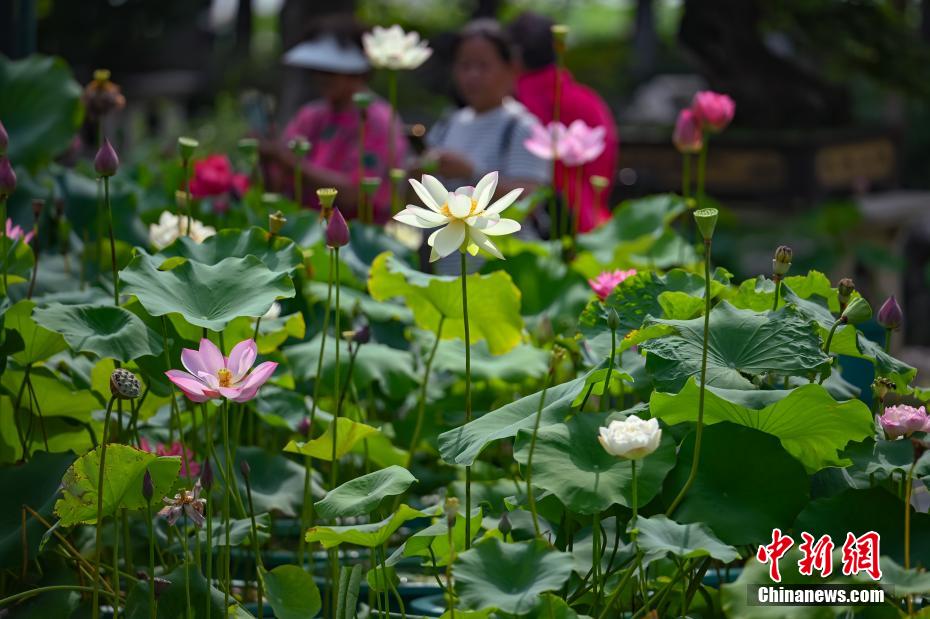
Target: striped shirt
x=491 y=141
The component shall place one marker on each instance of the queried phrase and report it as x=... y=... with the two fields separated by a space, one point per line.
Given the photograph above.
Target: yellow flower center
x=225 y=377
x=445 y=210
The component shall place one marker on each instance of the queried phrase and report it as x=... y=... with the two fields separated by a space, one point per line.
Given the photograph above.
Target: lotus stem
x=620 y=586
x=335 y=465
x=610 y=369
x=38 y=590
x=777 y=292
x=700 y=420
x=392 y=130
x=529 y=458
x=36 y=252
x=421 y=400
x=596 y=556
x=888 y=341
x=701 y=172
x=208 y=557
x=116 y=565
x=259 y=564
x=685 y=176
x=182 y=533
x=151 y=530
x=106 y=202
x=3 y=241
x=467 y=395
x=228 y=481
x=95 y=610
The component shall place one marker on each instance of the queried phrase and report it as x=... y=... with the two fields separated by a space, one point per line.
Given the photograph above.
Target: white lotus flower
x=168 y=229
x=406 y=235
x=273 y=312
x=631 y=438
x=392 y=48
x=466 y=215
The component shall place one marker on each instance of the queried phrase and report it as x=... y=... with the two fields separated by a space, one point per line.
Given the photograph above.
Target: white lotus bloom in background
x=407 y=235
x=168 y=229
x=632 y=438
x=467 y=216
x=392 y=48
x=273 y=312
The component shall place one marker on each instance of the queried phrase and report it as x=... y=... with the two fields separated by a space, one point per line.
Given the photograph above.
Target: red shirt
x=536 y=90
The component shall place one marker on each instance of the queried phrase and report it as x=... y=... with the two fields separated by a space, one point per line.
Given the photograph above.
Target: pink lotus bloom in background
x=15 y=232
x=192 y=468
x=902 y=420
x=605 y=283
x=548 y=141
x=584 y=143
x=214 y=178
x=713 y=110
x=688 y=138
x=211 y=375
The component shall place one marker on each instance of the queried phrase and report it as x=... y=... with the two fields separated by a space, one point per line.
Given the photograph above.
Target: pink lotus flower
x=574 y=145
x=15 y=232
x=214 y=178
x=605 y=283
x=211 y=375
x=187 y=503
x=903 y=420
x=688 y=138
x=189 y=468
x=713 y=110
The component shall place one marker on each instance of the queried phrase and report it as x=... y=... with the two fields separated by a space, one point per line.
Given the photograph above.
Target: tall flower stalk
x=186 y=147
x=337 y=235
x=559 y=34
x=464 y=267
x=362 y=101
x=706 y=219
x=299 y=148
x=106 y=163
x=556 y=355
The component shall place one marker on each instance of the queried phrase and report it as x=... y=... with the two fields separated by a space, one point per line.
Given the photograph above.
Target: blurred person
x=488 y=132
x=334 y=56
x=535 y=89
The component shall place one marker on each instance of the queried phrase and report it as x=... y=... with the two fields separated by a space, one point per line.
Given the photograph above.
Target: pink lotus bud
x=206 y=475
x=688 y=138
x=337 y=230
x=148 y=488
x=713 y=110
x=303 y=426
x=245 y=468
x=106 y=163
x=4 y=139
x=903 y=420
x=7 y=178
x=890 y=314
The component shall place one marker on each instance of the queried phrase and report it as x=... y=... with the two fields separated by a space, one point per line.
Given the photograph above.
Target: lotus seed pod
x=124 y=385
x=782 y=261
x=706 y=219
x=186 y=147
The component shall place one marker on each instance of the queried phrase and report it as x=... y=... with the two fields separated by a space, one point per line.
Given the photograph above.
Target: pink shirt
x=333 y=135
x=536 y=90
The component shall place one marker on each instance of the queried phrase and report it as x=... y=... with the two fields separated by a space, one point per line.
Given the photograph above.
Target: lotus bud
x=858 y=311
x=890 y=314
x=504 y=525
x=4 y=140
x=845 y=288
x=881 y=386
x=613 y=319
x=276 y=221
x=370 y=185
x=362 y=335
x=245 y=468
x=186 y=147
x=148 y=488
x=706 y=219
x=362 y=100
x=299 y=146
x=124 y=385
x=106 y=163
x=631 y=438
x=687 y=135
x=559 y=34
x=206 y=475
x=337 y=230
x=920 y=448
x=303 y=427
x=451 y=509
x=327 y=196
x=781 y=262
x=600 y=183
x=248 y=147
x=7 y=178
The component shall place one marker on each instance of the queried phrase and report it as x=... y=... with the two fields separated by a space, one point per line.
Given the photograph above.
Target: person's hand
x=452 y=165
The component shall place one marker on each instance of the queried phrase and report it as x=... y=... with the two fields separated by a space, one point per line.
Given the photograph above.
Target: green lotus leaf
x=510 y=577
x=463 y=444
x=123 y=471
x=435 y=297
x=55 y=397
x=659 y=536
x=278 y=254
x=570 y=462
x=321 y=448
x=104 y=330
x=292 y=592
x=746 y=484
x=19 y=261
x=742 y=345
x=205 y=295
x=362 y=495
x=525 y=362
x=40 y=343
x=368 y=535
x=277 y=482
x=811 y=425
x=172 y=602
x=41 y=108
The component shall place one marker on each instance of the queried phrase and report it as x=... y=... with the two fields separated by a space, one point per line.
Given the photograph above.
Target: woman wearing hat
x=334 y=55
